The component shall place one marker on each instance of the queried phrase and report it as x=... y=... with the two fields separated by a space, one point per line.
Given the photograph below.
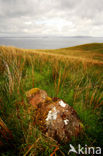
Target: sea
x=47 y=42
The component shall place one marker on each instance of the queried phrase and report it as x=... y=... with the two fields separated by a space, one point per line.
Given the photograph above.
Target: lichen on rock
x=54 y=117
x=66 y=121
x=52 y=114
x=62 y=104
x=31 y=92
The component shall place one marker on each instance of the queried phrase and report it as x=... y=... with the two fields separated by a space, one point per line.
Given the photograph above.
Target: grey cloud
x=61 y=17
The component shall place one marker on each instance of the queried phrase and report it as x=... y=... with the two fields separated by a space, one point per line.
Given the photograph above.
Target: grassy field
x=73 y=74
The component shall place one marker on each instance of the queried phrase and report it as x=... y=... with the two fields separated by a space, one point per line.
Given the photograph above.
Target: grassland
x=74 y=74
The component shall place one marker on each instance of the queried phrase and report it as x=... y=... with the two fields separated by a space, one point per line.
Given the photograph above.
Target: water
x=48 y=42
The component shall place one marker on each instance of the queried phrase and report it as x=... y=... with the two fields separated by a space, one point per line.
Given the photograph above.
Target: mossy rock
x=32 y=91
x=48 y=99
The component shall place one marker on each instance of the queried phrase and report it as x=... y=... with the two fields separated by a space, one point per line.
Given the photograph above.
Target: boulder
x=54 y=117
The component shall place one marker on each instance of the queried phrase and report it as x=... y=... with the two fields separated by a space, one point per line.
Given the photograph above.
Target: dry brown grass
x=70 y=72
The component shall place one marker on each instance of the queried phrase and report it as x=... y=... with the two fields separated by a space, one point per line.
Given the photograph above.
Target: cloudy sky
x=51 y=17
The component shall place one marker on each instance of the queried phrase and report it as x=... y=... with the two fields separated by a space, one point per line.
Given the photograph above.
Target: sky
x=51 y=17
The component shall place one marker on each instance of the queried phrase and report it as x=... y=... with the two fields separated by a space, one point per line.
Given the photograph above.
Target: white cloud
x=51 y=17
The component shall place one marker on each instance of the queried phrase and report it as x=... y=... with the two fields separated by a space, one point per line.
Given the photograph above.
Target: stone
x=62 y=122
x=36 y=96
x=54 y=117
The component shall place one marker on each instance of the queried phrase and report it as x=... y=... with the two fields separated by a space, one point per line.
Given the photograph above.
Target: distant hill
x=92 y=47
x=88 y=52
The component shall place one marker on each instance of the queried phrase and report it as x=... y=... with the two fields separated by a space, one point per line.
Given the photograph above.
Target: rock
x=36 y=96
x=54 y=117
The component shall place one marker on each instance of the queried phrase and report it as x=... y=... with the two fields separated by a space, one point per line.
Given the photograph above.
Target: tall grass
x=78 y=81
